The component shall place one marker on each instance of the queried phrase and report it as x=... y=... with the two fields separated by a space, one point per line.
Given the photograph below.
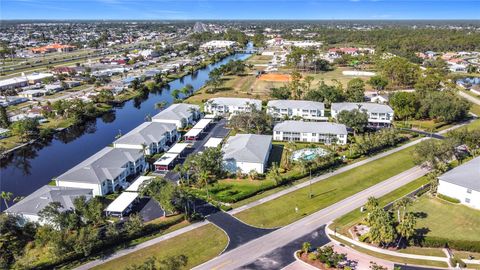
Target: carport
x=165 y=162
x=122 y=204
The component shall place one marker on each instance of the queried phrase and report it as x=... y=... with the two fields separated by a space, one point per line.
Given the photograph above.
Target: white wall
x=460 y=193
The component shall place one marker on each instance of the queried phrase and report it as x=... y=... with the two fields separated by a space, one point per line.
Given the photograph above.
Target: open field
x=447 y=220
x=259 y=59
x=330 y=77
x=280 y=212
x=391 y=258
x=198 y=245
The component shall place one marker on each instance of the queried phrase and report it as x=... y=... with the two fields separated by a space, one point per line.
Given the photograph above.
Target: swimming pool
x=309 y=153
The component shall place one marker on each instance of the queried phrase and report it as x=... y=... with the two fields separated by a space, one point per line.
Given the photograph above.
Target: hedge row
x=448 y=199
x=465 y=245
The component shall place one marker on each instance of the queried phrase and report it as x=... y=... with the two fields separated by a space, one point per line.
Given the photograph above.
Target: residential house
x=180 y=114
x=105 y=171
x=293 y=109
x=379 y=115
x=228 y=106
x=316 y=132
x=151 y=137
x=462 y=183
x=28 y=208
x=247 y=152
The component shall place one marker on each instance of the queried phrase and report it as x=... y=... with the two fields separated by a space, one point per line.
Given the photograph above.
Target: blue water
x=32 y=167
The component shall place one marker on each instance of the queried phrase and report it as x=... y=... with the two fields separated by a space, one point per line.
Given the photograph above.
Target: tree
x=404 y=104
x=401 y=205
x=13 y=239
x=355 y=91
x=25 y=129
x=434 y=154
x=6 y=196
x=371 y=204
x=406 y=226
x=399 y=71
x=4 y=120
x=162 y=191
x=133 y=225
x=428 y=83
x=104 y=96
x=86 y=240
x=173 y=262
x=214 y=78
x=280 y=92
x=252 y=121
x=326 y=93
x=354 y=119
x=378 y=82
x=306 y=246
x=274 y=174
x=175 y=93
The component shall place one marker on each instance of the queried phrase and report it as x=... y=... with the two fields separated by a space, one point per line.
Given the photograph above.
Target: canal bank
x=28 y=168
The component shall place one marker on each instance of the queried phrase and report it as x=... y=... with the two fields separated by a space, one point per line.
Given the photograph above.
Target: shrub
x=448 y=199
x=312 y=256
x=465 y=245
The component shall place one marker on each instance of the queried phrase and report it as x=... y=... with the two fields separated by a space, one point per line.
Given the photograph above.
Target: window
x=469 y=191
x=467 y=200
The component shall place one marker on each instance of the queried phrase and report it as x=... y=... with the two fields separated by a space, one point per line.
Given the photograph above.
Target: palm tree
x=400 y=205
x=6 y=196
x=160 y=105
x=406 y=227
x=371 y=204
x=306 y=247
x=203 y=179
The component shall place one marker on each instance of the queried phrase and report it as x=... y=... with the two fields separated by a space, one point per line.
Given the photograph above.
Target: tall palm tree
x=406 y=227
x=6 y=196
x=401 y=205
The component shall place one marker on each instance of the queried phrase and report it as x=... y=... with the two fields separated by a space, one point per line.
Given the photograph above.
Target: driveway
x=283 y=256
x=238 y=232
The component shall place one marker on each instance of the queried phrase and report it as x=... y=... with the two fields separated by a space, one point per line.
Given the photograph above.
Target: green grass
x=198 y=245
x=345 y=222
x=436 y=252
x=475 y=109
x=390 y=257
x=280 y=212
x=447 y=220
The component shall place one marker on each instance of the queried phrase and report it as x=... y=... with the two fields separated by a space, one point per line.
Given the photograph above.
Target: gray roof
x=296 y=104
x=466 y=175
x=247 y=148
x=105 y=164
x=35 y=202
x=226 y=101
x=369 y=106
x=146 y=133
x=311 y=127
x=177 y=111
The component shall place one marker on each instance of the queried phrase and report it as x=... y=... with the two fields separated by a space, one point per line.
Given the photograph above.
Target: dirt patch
x=275 y=77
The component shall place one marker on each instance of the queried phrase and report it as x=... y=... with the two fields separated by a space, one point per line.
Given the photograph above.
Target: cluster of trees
x=231 y=34
x=67 y=233
x=75 y=108
x=326 y=255
x=302 y=88
x=201 y=169
x=186 y=91
x=233 y=67
x=387 y=227
x=370 y=143
x=26 y=129
x=255 y=121
x=442 y=106
x=307 y=59
x=399 y=71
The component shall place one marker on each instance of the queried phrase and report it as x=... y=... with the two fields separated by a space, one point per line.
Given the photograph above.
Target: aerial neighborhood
x=239 y=144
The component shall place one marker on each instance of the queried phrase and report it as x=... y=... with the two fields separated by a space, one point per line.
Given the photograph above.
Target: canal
x=31 y=167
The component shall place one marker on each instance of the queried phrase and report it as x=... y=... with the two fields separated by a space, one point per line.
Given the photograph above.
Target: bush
x=465 y=245
x=448 y=199
x=312 y=256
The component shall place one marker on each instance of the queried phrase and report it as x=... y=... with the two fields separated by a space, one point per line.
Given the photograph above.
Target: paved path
x=469 y=97
x=252 y=250
x=238 y=232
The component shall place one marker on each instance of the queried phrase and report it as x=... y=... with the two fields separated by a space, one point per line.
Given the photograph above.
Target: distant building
x=218 y=44
x=104 y=172
x=291 y=109
x=227 y=106
x=29 y=207
x=316 y=132
x=379 y=115
x=180 y=114
x=462 y=183
x=12 y=83
x=53 y=48
x=247 y=152
x=151 y=137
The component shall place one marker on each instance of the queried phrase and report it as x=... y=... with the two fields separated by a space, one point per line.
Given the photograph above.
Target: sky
x=239 y=9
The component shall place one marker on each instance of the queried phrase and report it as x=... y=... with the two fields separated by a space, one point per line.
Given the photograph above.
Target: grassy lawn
x=343 y=223
x=390 y=257
x=447 y=220
x=475 y=109
x=198 y=245
x=280 y=212
x=330 y=76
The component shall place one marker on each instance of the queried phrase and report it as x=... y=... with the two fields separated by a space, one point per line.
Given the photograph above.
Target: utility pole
x=311 y=195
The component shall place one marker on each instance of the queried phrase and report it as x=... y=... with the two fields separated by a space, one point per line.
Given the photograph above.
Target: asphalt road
x=238 y=232
x=251 y=251
x=283 y=256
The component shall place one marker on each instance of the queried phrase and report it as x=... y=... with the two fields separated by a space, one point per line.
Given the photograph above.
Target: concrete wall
x=460 y=193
